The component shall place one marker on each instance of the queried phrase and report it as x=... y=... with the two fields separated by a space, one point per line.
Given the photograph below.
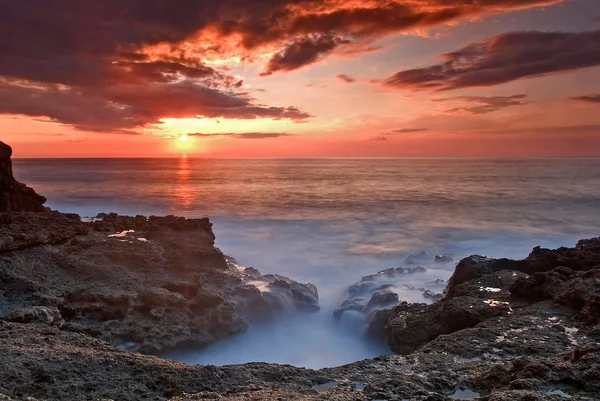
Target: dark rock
x=416 y=258
x=443 y=259
x=408 y=330
x=432 y=295
x=476 y=266
x=381 y=298
x=15 y=196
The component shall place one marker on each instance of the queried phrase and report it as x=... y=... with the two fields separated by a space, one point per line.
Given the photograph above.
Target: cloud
x=378 y=138
x=345 y=78
x=505 y=58
x=244 y=135
x=406 y=130
x=124 y=108
x=484 y=104
x=117 y=66
x=302 y=53
x=595 y=99
x=384 y=135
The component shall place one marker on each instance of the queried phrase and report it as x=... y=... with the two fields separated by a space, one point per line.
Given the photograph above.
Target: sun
x=183 y=138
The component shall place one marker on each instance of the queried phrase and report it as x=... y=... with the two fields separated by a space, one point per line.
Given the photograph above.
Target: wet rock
x=15 y=196
x=443 y=259
x=408 y=330
x=476 y=266
x=381 y=299
x=416 y=258
x=435 y=296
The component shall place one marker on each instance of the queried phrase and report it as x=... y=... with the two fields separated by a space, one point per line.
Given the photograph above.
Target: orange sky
x=426 y=78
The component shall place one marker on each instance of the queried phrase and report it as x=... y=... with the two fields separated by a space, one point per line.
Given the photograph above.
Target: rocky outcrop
x=483 y=289
x=371 y=299
x=15 y=196
x=585 y=255
x=145 y=284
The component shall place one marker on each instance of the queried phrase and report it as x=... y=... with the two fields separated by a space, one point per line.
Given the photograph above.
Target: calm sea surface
x=332 y=221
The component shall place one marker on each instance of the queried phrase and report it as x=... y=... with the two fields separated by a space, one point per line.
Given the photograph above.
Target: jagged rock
x=416 y=258
x=408 y=330
x=37 y=314
x=15 y=196
x=432 y=295
x=443 y=259
x=381 y=299
x=476 y=266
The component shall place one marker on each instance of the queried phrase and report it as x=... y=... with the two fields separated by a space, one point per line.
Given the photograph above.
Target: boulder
x=475 y=266
x=15 y=196
x=443 y=259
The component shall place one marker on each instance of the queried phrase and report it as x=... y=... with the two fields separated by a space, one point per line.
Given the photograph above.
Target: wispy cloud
x=484 y=104
x=504 y=58
x=242 y=135
x=595 y=99
x=345 y=78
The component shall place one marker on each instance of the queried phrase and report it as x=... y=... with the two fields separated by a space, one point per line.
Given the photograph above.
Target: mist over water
x=332 y=221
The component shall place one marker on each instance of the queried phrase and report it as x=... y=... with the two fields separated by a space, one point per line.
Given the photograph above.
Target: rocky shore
x=86 y=305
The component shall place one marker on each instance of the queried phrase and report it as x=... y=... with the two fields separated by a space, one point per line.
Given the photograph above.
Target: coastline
x=77 y=294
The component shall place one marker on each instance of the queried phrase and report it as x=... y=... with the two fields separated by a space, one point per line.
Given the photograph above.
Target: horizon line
x=310 y=157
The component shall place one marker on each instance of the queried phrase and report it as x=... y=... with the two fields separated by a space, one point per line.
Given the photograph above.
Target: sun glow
x=183 y=138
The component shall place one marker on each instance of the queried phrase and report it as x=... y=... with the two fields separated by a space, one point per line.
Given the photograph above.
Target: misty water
x=332 y=221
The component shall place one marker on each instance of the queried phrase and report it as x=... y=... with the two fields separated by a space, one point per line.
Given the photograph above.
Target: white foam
x=489 y=289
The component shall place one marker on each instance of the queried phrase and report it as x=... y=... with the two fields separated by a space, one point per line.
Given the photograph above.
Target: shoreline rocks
x=15 y=196
x=145 y=284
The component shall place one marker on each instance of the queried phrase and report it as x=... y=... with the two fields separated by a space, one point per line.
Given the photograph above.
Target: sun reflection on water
x=184 y=192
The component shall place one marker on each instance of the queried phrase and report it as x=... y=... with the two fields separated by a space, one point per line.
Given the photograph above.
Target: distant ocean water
x=332 y=221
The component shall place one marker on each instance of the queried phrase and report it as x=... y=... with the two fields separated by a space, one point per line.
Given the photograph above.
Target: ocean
x=332 y=221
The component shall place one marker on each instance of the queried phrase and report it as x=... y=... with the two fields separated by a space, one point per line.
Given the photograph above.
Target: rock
x=37 y=314
x=483 y=341
x=432 y=295
x=476 y=266
x=175 y=290
x=416 y=258
x=15 y=196
x=408 y=330
x=381 y=299
x=443 y=259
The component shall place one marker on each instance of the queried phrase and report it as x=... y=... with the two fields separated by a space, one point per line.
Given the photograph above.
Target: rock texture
x=15 y=196
x=145 y=284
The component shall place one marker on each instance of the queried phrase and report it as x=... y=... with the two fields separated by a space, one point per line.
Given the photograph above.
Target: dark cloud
x=345 y=78
x=301 y=53
x=484 y=104
x=244 y=135
x=384 y=135
x=124 y=108
x=588 y=99
x=378 y=138
x=407 y=130
x=504 y=58
x=118 y=65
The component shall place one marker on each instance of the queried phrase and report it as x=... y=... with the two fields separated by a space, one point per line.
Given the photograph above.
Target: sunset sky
x=296 y=78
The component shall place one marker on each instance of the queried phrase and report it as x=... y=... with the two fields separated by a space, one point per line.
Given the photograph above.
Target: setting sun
x=183 y=138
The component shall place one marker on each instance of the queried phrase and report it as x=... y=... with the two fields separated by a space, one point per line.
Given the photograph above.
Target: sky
x=300 y=78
